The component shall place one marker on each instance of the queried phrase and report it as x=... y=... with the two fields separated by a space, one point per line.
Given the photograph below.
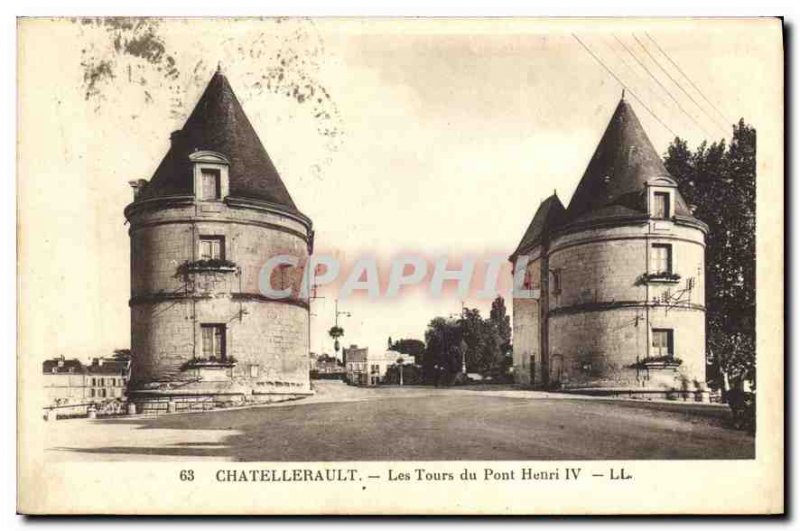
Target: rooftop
x=614 y=181
x=613 y=187
x=218 y=123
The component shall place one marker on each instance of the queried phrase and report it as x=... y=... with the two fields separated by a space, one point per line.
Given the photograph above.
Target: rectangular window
x=253 y=371
x=556 y=281
x=661 y=258
x=527 y=282
x=212 y=248
x=661 y=205
x=209 y=185
x=662 y=343
x=213 y=341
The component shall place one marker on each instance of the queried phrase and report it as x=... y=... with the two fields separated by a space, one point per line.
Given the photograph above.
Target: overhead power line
x=612 y=74
x=713 y=120
x=687 y=77
x=638 y=76
x=665 y=89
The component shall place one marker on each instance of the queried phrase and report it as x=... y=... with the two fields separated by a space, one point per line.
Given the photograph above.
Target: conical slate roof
x=548 y=216
x=219 y=124
x=613 y=185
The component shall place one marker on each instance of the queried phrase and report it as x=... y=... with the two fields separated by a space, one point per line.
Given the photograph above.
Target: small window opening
x=209 y=185
x=212 y=248
x=213 y=341
x=663 y=344
x=661 y=258
x=661 y=205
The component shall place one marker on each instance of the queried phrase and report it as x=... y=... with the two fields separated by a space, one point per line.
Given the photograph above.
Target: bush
x=412 y=375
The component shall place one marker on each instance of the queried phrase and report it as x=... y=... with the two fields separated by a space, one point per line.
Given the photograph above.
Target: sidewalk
x=719 y=411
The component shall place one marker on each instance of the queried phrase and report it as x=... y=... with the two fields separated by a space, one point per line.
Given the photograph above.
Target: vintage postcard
x=400 y=266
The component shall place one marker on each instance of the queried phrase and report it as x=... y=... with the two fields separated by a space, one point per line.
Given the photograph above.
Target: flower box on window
x=670 y=278
x=210 y=265
x=210 y=369
x=658 y=362
x=209 y=363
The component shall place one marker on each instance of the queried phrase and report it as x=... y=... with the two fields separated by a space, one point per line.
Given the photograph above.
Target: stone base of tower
x=208 y=396
x=693 y=395
x=644 y=384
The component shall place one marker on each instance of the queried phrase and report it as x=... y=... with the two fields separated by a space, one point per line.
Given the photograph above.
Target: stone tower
x=202 y=332
x=614 y=282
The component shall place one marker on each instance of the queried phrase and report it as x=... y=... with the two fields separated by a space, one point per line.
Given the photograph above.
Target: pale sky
x=446 y=137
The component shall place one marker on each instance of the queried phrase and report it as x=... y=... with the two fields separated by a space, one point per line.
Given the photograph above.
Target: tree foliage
x=482 y=344
x=336 y=332
x=499 y=316
x=412 y=347
x=442 y=339
x=122 y=354
x=719 y=179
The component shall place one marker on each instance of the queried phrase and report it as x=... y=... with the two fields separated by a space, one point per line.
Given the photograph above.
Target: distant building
x=70 y=382
x=355 y=363
x=368 y=369
x=64 y=381
x=326 y=367
x=107 y=378
x=616 y=278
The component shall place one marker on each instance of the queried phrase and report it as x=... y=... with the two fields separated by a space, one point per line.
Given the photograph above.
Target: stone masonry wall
x=526 y=325
x=600 y=320
x=268 y=339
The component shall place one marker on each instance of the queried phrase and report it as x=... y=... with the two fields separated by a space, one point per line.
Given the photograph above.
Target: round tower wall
x=603 y=312
x=171 y=300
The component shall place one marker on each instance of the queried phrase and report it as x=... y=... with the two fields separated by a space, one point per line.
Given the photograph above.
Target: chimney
x=137 y=186
x=176 y=136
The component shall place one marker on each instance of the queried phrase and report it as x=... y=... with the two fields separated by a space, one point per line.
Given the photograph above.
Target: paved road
x=344 y=423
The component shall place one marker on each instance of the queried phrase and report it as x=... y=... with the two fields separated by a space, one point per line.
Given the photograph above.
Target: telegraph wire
x=676 y=83
x=686 y=76
x=612 y=74
x=638 y=76
x=665 y=89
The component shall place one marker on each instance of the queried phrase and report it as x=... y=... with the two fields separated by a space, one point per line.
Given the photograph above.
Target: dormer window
x=210 y=175
x=661 y=198
x=209 y=185
x=661 y=204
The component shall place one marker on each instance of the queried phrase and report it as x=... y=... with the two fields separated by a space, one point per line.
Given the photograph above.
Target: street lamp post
x=462 y=347
x=337 y=313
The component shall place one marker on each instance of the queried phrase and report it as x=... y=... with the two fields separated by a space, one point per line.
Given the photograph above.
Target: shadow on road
x=439 y=426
